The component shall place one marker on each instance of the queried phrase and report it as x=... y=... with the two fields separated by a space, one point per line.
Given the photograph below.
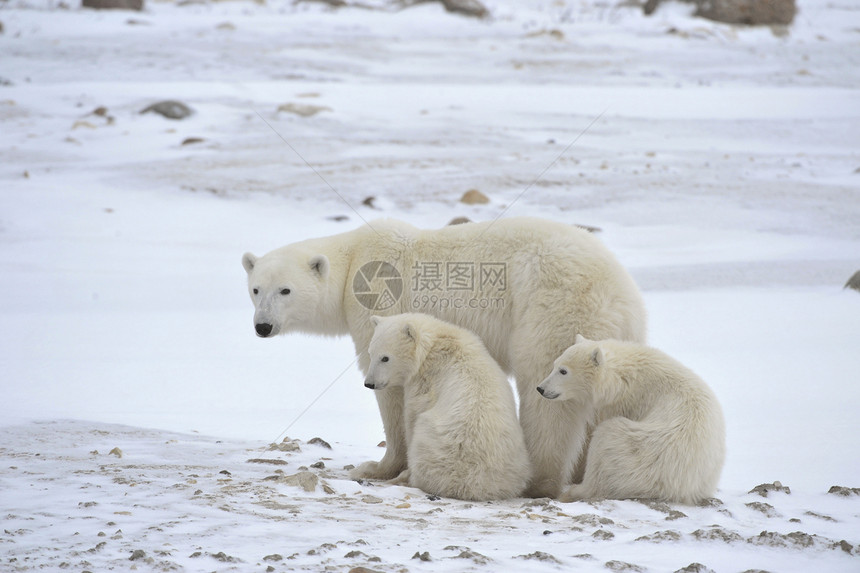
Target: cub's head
x=574 y=372
x=396 y=351
x=286 y=287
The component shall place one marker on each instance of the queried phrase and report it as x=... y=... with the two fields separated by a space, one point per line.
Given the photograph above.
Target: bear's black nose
x=369 y=384
x=263 y=329
x=539 y=389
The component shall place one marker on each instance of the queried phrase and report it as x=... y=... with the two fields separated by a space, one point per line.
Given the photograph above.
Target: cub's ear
x=320 y=264
x=248 y=261
x=409 y=331
x=580 y=339
x=374 y=320
x=597 y=357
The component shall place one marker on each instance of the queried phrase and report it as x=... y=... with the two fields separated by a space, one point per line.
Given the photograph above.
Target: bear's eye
x=285 y=291
x=562 y=371
x=256 y=291
x=384 y=359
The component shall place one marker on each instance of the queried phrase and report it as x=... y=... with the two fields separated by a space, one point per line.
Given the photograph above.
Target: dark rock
x=695 y=568
x=318 y=465
x=466 y=7
x=745 y=12
x=422 y=556
x=540 y=556
x=192 y=140
x=171 y=109
x=748 y=12
x=622 y=567
x=266 y=461
x=137 y=554
x=661 y=536
x=458 y=221
x=764 y=508
x=774 y=539
x=717 y=533
x=765 y=488
x=853 y=283
x=274 y=557
x=113 y=4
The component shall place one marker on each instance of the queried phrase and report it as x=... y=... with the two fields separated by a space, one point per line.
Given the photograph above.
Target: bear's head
x=574 y=372
x=287 y=288
x=397 y=350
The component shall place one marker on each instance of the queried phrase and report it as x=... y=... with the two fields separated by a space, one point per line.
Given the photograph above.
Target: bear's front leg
x=390 y=403
x=555 y=433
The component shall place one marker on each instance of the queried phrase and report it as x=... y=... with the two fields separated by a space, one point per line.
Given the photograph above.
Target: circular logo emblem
x=377 y=285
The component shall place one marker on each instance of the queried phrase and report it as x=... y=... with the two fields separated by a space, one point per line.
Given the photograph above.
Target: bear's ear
x=597 y=357
x=319 y=264
x=580 y=339
x=374 y=320
x=248 y=261
x=410 y=331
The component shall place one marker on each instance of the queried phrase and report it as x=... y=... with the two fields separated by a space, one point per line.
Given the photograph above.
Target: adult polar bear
x=551 y=281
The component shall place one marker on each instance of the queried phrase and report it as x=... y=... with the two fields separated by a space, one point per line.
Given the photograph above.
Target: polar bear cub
x=659 y=429
x=463 y=439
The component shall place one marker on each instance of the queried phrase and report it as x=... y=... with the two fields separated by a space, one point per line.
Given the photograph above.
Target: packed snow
x=143 y=424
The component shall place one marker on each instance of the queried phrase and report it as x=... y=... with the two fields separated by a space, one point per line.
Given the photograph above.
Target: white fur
x=561 y=280
x=463 y=439
x=659 y=432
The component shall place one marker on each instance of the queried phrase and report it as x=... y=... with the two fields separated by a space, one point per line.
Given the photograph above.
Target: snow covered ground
x=720 y=163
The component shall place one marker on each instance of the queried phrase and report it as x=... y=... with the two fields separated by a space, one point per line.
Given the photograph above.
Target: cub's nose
x=263 y=329
x=369 y=384
x=539 y=389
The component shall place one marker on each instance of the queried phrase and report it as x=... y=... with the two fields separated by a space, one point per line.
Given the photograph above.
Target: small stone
x=368 y=202
x=328 y=489
x=338 y=218
x=170 y=109
x=269 y=461
x=540 y=556
x=422 y=556
x=603 y=535
x=474 y=197
x=192 y=140
x=381 y=444
x=763 y=508
x=695 y=568
x=621 y=566
x=370 y=499
x=471 y=8
x=318 y=465
x=223 y=557
x=115 y=452
x=274 y=557
x=100 y=111
x=225 y=472
x=305 y=480
x=320 y=442
x=403 y=505
x=113 y=4
x=303 y=109
x=853 y=283
x=765 y=488
x=458 y=221
x=137 y=554
x=717 y=533
x=661 y=536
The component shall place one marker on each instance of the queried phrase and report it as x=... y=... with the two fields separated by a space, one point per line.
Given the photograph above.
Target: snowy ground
x=721 y=164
